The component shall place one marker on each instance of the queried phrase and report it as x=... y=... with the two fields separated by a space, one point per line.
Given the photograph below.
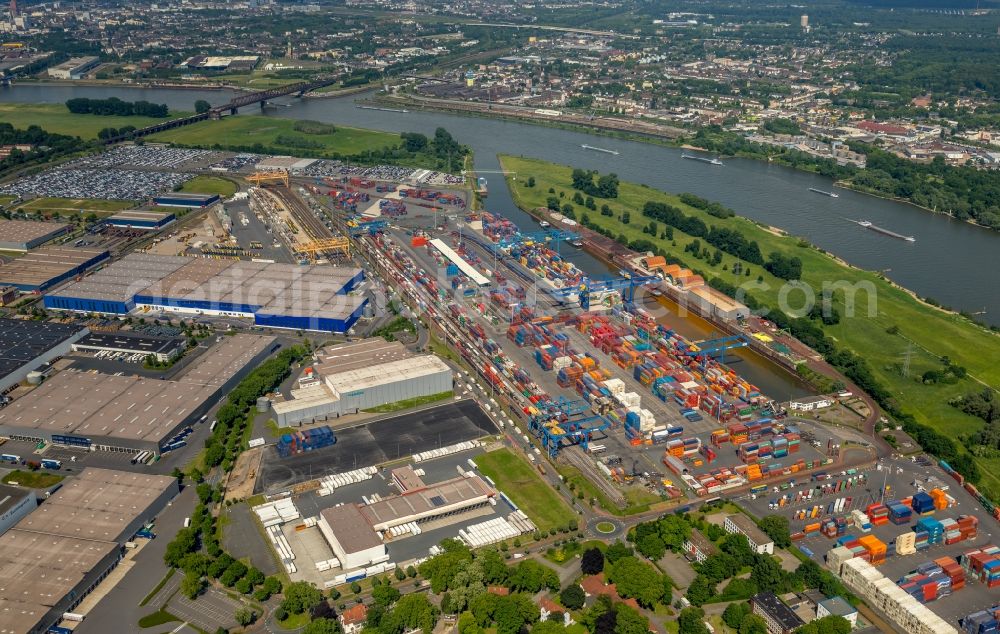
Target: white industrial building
x=743 y=525
x=810 y=403
x=351 y=537
x=354 y=531
x=74 y=68
x=351 y=377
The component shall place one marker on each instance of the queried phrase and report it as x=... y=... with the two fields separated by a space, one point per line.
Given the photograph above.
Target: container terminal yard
x=577 y=370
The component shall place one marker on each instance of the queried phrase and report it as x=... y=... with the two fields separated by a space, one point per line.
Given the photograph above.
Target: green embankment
x=248 y=130
x=409 y=403
x=928 y=333
x=56 y=118
x=525 y=487
x=33 y=479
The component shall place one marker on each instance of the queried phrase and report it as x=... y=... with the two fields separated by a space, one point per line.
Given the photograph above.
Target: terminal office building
x=274 y=295
x=127 y=413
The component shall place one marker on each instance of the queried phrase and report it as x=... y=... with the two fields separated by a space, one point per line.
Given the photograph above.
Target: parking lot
x=377 y=442
x=901 y=477
x=150 y=156
x=209 y=612
x=109 y=184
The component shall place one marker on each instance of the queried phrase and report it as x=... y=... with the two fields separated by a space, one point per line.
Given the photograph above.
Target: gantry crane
x=626 y=285
x=562 y=423
x=547 y=236
x=264 y=178
x=339 y=245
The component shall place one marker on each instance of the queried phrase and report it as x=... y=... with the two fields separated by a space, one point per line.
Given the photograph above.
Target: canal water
x=951 y=261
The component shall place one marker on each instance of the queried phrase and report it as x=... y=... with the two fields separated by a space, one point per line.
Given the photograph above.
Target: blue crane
x=556 y=429
x=558 y=236
x=713 y=347
x=371 y=226
x=626 y=285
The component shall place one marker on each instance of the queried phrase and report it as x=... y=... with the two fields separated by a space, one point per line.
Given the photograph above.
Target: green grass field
x=525 y=487
x=33 y=479
x=56 y=118
x=929 y=333
x=251 y=129
x=71 y=206
x=210 y=185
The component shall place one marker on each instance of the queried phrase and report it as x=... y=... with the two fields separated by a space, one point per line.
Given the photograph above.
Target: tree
x=573 y=597
x=184 y=542
x=592 y=561
x=700 y=590
x=245 y=616
x=734 y=613
x=827 y=625
x=384 y=595
x=616 y=551
x=531 y=576
x=629 y=621
x=776 y=527
x=322 y=626
x=636 y=579
x=301 y=596
x=752 y=624
x=191 y=585
x=651 y=547
x=691 y=621
x=201 y=106
x=531 y=181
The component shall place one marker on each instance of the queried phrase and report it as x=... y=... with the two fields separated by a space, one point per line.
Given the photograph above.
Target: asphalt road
x=119 y=610
x=378 y=441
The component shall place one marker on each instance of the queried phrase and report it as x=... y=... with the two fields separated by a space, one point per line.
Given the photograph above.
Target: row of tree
x=605 y=187
x=113 y=106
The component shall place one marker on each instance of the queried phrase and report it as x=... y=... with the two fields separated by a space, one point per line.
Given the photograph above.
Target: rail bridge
x=217 y=112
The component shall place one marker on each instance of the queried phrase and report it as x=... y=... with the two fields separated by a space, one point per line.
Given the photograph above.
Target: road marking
x=178 y=628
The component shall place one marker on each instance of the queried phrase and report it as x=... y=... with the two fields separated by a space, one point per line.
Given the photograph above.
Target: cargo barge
x=703 y=159
x=877 y=229
x=599 y=149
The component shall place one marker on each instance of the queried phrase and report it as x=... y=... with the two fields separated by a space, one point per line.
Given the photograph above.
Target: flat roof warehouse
x=53 y=557
x=131 y=413
x=274 y=295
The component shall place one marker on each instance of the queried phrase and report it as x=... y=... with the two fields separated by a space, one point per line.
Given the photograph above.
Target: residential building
x=698 y=548
x=837 y=606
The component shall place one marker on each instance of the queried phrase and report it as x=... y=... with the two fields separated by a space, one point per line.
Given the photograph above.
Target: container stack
x=927 y=583
x=899 y=513
x=878 y=514
x=922 y=503
x=984 y=565
x=982 y=622
x=304 y=441
x=875 y=547
x=954 y=571
x=933 y=528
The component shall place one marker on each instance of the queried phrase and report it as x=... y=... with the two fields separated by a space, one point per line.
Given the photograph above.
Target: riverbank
x=923 y=334
x=57 y=119
x=540 y=116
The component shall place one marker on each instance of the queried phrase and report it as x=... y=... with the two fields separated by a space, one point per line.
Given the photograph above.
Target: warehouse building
x=743 y=525
x=780 y=618
x=52 y=558
x=27 y=345
x=144 y=220
x=353 y=530
x=128 y=413
x=273 y=295
x=22 y=235
x=49 y=265
x=74 y=68
x=177 y=199
x=163 y=348
x=354 y=376
x=15 y=503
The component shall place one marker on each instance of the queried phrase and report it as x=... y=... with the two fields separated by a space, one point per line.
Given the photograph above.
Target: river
x=951 y=261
